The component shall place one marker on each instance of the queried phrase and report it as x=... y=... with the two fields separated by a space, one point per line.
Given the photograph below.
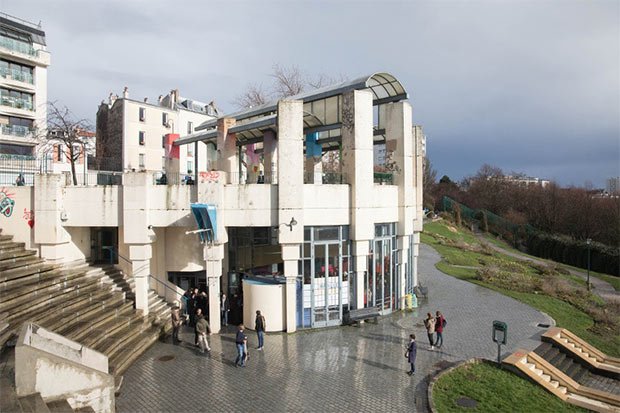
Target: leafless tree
x=65 y=130
x=288 y=81
x=254 y=95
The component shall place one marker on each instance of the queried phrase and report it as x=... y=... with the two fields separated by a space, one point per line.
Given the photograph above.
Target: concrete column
x=360 y=256
x=50 y=216
x=140 y=268
x=214 y=255
x=416 y=253
x=290 y=197
x=270 y=156
x=403 y=258
x=418 y=165
x=227 y=152
x=290 y=256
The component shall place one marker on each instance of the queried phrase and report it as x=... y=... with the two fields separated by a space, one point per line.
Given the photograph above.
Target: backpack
x=443 y=323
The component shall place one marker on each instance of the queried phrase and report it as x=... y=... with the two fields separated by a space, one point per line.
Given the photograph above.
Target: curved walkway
x=336 y=369
x=600 y=287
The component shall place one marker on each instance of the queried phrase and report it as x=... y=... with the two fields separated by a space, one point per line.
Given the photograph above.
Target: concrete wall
x=17 y=216
x=58 y=368
x=92 y=206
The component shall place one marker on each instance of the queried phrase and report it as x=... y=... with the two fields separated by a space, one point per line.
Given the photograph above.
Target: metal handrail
x=165 y=285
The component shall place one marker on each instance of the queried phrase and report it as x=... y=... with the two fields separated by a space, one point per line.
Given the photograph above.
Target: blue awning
x=206 y=218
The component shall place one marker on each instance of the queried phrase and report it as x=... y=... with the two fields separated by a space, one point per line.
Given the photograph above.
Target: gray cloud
x=527 y=86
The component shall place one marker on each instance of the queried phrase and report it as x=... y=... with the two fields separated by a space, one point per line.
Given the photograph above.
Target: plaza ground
x=336 y=369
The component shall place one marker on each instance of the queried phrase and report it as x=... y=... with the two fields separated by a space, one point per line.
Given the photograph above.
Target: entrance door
x=383 y=288
x=326 y=285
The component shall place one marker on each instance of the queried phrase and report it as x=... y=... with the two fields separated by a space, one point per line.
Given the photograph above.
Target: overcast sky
x=528 y=86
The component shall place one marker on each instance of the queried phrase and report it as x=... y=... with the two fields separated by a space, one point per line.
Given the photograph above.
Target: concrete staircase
x=565 y=372
x=88 y=304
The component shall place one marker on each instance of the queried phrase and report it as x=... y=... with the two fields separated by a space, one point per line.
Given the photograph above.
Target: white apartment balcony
x=16 y=106
x=24 y=52
x=15 y=130
x=17 y=80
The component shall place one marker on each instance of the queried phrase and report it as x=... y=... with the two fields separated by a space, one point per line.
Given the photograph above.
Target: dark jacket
x=412 y=349
x=241 y=337
x=175 y=314
x=259 y=324
x=202 y=325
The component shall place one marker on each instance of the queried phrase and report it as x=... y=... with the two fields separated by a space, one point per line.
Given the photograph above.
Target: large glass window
x=382 y=281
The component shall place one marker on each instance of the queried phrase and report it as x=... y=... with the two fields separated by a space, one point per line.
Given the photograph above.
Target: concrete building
x=23 y=85
x=131 y=133
x=527 y=180
x=266 y=221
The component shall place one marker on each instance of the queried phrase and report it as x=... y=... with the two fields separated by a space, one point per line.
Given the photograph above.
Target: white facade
x=328 y=247
x=23 y=83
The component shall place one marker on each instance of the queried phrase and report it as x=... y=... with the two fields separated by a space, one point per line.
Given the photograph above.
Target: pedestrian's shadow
x=385 y=338
x=374 y=364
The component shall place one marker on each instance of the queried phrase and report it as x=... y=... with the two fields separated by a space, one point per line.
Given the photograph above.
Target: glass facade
x=325 y=269
x=381 y=282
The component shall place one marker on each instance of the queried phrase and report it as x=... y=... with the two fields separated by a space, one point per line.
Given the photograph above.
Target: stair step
x=60 y=406
x=111 y=329
x=8 y=401
x=123 y=359
x=93 y=323
x=554 y=383
x=17 y=287
x=33 y=403
x=26 y=270
x=562 y=389
x=9 y=255
x=18 y=262
x=546 y=377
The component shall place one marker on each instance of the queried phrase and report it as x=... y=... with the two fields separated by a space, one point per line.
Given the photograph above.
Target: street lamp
x=588 y=242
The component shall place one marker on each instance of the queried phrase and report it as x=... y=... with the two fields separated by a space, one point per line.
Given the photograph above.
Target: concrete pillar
x=403 y=258
x=290 y=197
x=360 y=257
x=214 y=255
x=416 y=253
x=270 y=157
x=228 y=154
x=140 y=257
x=313 y=171
x=418 y=165
x=290 y=256
x=49 y=211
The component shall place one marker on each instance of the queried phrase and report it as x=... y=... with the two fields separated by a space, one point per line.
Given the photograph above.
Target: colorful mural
x=6 y=202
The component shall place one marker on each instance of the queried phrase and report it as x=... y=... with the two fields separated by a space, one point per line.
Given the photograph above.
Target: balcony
x=16 y=130
x=16 y=103
x=16 y=75
x=17 y=46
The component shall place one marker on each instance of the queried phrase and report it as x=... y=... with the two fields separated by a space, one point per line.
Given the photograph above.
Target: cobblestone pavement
x=336 y=369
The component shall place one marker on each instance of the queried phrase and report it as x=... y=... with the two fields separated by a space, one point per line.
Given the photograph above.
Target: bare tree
x=254 y=95
x=65 y=130
x=289 y=81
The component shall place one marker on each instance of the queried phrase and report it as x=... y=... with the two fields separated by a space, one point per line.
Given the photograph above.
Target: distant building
x=526 y=180
x=23 y=85
x=613 y=186
x=131 y=134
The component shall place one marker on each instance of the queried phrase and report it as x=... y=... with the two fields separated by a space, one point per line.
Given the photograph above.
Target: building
x=131 y=134
x=612 y=186
x=23 y=85
x=527 y=180
x=265 y=221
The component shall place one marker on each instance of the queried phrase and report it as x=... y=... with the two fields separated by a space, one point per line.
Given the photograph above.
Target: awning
x=206 y=218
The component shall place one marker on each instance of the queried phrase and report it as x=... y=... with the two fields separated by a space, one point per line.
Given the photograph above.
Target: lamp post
x=588 y=242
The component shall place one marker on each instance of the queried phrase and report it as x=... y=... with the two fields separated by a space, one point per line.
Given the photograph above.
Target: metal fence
x=383 y=178
x=327 y=178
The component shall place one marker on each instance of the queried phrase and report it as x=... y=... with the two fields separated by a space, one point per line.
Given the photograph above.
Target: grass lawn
x=495 y=390
x=565 y=314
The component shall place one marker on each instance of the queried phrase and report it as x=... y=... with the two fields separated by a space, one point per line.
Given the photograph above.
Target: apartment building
x=23 y=85
x=131 y=134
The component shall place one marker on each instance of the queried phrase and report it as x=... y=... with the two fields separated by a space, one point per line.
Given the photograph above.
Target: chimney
x=174 y=97
x=126 y=93
x=160 y=98
x=146 y=100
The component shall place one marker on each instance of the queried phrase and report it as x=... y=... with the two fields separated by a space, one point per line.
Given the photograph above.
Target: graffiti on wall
x=29 y=217
x=210 y=176
x=6 y=202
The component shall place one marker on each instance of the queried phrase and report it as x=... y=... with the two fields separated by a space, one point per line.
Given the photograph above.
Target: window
x=141 y=160
x=164 y=119
x=163 y=141
x=190 y=150
x=189 y=167
x=190 y=127
x=141 y=138
x=142 y=114
x=163 y=163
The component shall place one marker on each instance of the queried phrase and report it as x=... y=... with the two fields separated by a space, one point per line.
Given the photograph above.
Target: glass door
x=326 y=285
x=383 y=285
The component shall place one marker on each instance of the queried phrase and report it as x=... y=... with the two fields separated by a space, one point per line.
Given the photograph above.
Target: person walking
x=202 y=329
x=259 y=326
x=224 y=308
x=411 y=353
x=175 y=315
x=240 y=341
x=429 y=323
x=197 y=317
x=440 y=323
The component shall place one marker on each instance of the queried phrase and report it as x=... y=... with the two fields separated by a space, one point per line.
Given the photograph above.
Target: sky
x=527 y=86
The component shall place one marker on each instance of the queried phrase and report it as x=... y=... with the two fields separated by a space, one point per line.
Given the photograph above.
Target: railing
x=8 y=178
x=244 y=178
x=176 y=294
x=16 y=103
x=96 y=178
x=18 y=46
x=173 y=178
x=327 y=178
x=384 y=178
x=16 y=75
x=16 y=130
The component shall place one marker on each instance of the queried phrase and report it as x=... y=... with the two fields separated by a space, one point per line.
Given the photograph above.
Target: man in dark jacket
x=411 y=353
x=240 y=341
x=259 y=327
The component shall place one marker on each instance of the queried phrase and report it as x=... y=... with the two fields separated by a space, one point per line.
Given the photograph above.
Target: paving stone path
x=336 y=369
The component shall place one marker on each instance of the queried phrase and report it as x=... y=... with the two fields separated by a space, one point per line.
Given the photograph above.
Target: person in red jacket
x=440 y=323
